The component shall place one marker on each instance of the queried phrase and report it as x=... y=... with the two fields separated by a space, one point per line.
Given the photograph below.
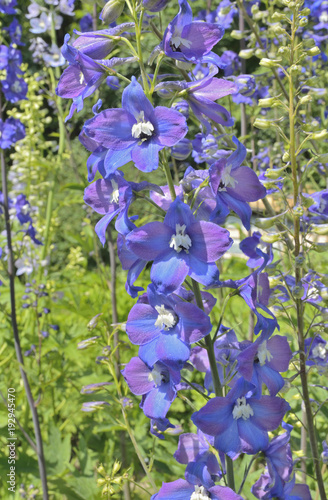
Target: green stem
x=297 y=248
x=129 y=430
x=168 y=175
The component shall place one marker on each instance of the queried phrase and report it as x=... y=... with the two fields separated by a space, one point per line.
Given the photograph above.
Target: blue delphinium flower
x=202 y=465
x=180 y=246
x=235 y=185
x=157 y=384
x=240 y=422
x=188 y=40
x=136 y=132
x=11 y=131
x=8 y=6
x=262 y=360
x=165 y=326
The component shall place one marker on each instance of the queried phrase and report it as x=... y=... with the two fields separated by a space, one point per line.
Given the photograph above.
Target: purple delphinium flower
x=11 y=131
x=15 y=32
x=188 y=40
x=180 y=246
x=235 y=185
x=86 y=23
x=262 y=360
x=157 y=385
x=279 y=457
x=108 y=197
x=83 y=75
x=287 y=491
x=14 y=88
x=98 y=44
x=249 y=246
x=202 y=465
x=232 y=62
x=136 y=132
x=240 y=422
x=8 y=6
x=324 y=454
x=165 y=326
x=183 y=490
x=316 y=351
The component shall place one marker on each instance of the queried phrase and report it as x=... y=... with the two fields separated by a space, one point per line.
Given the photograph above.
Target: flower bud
x=305 y=99
x=116 y=467
x=269 y=63
x=270 y=238
x=246 y=54
x=285 y=157
x=303 y=22
x=262 y=124
x=322 y=229
x=305 y=12
x=267 y=103
x=315 y=51
x=278 y=16
x=237 y=35
x=259 y=53
x=112 y=10
x=323 y=134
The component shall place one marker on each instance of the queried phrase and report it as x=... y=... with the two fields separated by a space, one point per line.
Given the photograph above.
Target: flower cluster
x=242 y=377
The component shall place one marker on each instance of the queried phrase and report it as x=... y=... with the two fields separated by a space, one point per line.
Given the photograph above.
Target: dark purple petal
x=134 y=100
x=140 y=325
x=253 y=439
x=209 y=241
x=112 y=129
x=206 y=274
x=201 y=37
x=169 y=271
x=145 y=155
x=136 y=374
x=247 y=187
x=150 y=241
x=170 y=126
x=194 y=323
x=268 y=412
x=215 y=417
x=158 y=401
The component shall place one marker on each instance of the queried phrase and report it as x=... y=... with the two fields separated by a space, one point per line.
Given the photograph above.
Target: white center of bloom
x=200 y=494
x=319 y=351
x=324 y=17
x=180 y=240
x=177 y=40
x=81 y=78
x=114 y=197
x=263 y=353
x=142 y=127
x=227 y=180
x=16 y=87
x=242 y=409
x=165 y=319
x=155 y=376
x=313 y=293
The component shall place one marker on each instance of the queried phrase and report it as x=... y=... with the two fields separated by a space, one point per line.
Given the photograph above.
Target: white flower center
x=114 y=197
x=155 y=376
x=81 y=78
x=180 y=240
x=242 y=409
x=200 y=494
x=177 y=40
x=142 y=127
x=227 y=180
x=16 y=87
x=319 y=351
x=263 y=353
x=165 y=319
x=324 y=17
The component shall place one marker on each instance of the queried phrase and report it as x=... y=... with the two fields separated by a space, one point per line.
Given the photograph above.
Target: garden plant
x=164 y=249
